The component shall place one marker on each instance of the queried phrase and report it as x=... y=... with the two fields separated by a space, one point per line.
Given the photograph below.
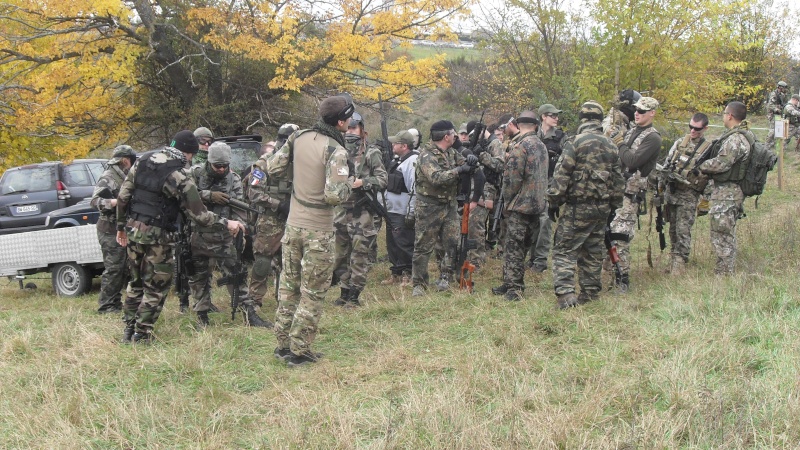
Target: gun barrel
x=240 y=205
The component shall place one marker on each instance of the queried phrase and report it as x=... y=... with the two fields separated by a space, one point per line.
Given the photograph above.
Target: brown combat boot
x=567 y=300
x=393 y=279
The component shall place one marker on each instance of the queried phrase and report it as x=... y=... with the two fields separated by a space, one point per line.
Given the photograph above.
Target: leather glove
x=553 y=212
x=464 y=168
x=283 y=208
x=618 y=138
x=472 y=160
x=478 y=150
x=220 y=198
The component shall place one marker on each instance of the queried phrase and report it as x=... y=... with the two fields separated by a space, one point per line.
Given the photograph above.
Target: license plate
x=27 y=209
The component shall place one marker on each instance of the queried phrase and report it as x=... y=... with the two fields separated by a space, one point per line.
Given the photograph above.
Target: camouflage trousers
x=373 y=250
x=794 y=132
x=307 y=270
x=436 y=222
x=115 y=274
x=354 y=240
x=521 y=229
x=477 y=232
x=151 y=269
x=543 y=242
x=266 y=252
x=579 y=240
x=624 y=222
x=770 y=142
x=225 y=258
x=722 y=219
x=681 y=213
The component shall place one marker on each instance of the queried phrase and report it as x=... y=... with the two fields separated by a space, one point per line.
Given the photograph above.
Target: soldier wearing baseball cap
x=638 y=153
x=204 y=138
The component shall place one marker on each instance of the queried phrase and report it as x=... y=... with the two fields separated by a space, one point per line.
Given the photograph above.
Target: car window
x=32 y=179
x=244 y=156
x=77 y=175
x=97 y=170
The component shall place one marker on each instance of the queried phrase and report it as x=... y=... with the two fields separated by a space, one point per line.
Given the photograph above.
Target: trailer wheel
x=70 y=280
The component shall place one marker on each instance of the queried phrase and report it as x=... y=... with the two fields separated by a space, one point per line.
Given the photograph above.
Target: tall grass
x=691 y=362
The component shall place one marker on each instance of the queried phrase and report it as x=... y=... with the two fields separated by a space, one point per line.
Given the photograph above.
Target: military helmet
x=795 y=97
x=782 y=84
x=286 y=130
x=629 y=97
x=591 y=110
x=120 y=152
x=356 y=121
x=203 y=132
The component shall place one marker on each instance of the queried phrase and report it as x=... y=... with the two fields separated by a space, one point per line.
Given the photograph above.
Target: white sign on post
x=781 y=129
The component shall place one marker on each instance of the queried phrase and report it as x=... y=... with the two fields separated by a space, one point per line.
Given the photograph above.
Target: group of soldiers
x=314 y=203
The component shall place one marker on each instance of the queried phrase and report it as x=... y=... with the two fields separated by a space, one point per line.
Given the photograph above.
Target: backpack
x=761 y=160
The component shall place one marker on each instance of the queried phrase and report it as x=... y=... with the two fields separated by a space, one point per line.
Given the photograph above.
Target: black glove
x=456 y=144
x=472 y=160
x=478 y=150
x=696 y=172
x=220 y=198
x=283 y=208
x=553 y=213
x=464 y=168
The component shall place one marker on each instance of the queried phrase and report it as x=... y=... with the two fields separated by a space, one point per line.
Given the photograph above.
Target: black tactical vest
x=148 y=204
x=553 y=145
x=397 y=183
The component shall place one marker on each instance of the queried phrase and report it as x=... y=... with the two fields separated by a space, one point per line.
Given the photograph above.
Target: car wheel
x=70 y=280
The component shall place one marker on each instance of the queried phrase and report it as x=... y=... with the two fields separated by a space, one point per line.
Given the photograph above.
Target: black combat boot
x=343 y=297
x=567 y=300
x=184 y=306
x=500 y=290
x=252 y=319
x=202 y=319
x=352 y=300
x=127 y=333
x=141 y=337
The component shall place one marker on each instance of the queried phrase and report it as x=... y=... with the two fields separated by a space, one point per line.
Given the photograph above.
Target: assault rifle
x=242 y=206
x=369 y=200
x=238 y=276
x=662 y=240
x=612 y=252
x=184 y=267
x=462 y=264
x=498 y=213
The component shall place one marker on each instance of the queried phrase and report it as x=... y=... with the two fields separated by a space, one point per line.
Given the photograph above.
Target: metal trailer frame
x=72 y=255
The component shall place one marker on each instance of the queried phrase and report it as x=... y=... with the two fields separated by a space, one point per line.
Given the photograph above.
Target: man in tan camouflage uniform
x=356 y=231
x=587 y=186
x=438 y=174
x=155 y=191
x=792 y=113
x=316 y=162
x=682 y=189
x=213 y=245
x=524 y=184
x=638 y=153
x=115 y=259
x=731 y=151
x=775 y=104
x=271 y=197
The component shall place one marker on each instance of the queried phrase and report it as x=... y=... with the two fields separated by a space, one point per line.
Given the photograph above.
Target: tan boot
x=393 y=279
x=677 y=266
x=405 y=281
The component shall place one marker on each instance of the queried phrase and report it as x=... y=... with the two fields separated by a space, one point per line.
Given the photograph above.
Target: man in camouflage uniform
x=438 y=174
x=356 y=233
x=204 y=139
x=115 y=259
x=155 y=191
x=618 y=121
x=492 y=158
x=775 y=104
x=213 y=245
x=271 y=197
x=682 y=189
x=524 y=184
x=638 y=153
x=587 y=186
x=726 y=168
x=792 y=113
x=553 y=139
x=316 y=162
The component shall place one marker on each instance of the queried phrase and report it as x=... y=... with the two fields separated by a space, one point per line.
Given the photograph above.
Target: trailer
x=72 y=255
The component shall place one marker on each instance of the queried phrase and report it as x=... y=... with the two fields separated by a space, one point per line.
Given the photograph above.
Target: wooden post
x=780 y=164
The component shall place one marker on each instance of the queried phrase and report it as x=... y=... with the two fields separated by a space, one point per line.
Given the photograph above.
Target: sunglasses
x=642 y=111
x=220 y=166
x=554 y=116
x=696 y=128
x=205 y=141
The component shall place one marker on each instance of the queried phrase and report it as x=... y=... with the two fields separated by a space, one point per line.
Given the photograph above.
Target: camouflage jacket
x=368 y=163
x=436 y=175
x=110 y=181
x=316 y=162
x=733 y=148
x=525 y=176
x=588 y=171
x=178 y=185
x=776 y=103
x=200 y=158
x=792 y=113
x=266 y=192
x=229 y=183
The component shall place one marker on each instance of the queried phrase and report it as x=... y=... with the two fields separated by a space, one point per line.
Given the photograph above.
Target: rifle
x=462 y=264
x=612 y=251
x=498 y=213
x=238 y=276
x=386 y=147
x=184 y=266
x=477 y=133
x=662 y=240
x=370 y=201
x=242 y=206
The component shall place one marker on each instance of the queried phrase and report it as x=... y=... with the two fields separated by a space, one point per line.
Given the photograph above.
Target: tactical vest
x=553 y=145
x=148 y=204
x=205 y=182
x=793 y=119
x=397 y=183
x=424 y=187
x=739 y=168
x=684 y=160
x=328 y=152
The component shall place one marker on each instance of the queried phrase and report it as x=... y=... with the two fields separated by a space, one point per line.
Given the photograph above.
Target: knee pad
x=262 y=267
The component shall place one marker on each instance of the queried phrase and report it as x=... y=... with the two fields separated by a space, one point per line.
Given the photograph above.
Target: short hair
x=491 y=128
x=738 y=110
x=700 y=118
x=438 y=135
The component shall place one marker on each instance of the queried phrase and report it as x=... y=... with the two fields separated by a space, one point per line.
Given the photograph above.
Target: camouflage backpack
x=758 y=164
